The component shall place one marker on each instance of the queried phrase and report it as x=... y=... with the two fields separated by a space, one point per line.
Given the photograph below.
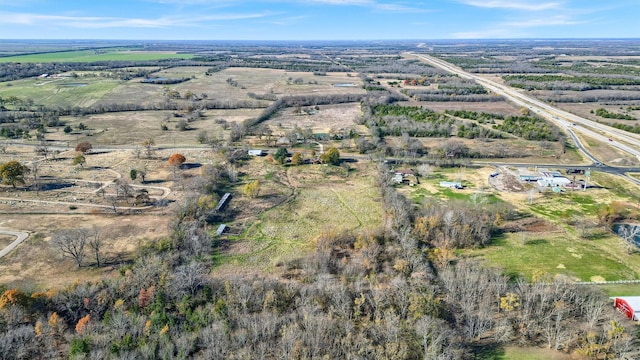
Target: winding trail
x=20 y=237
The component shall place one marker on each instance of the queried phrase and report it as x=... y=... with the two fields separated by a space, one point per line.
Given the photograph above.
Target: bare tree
x=42 y=148
x=95 y=244
x=189 y=278
x=71 y=243
x=113 y=201
x=629 y=232
x=425 y=170
x=149 y=145
x=123 y=189
x=436 y=338
x=35 y=165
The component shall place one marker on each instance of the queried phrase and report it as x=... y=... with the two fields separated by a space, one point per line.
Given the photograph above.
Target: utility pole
x=586 y=182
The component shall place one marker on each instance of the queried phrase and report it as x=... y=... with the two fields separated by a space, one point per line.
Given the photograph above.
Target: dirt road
x=20 y=237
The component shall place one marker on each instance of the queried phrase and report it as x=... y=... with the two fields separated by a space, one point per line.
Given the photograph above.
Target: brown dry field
x=538 y=153
x=497 y=107
x=607 y=153
x=132 y=128
x=584 y=110
x=5 y=240
x=215 y=86
x=35 y=264
x=324 y=120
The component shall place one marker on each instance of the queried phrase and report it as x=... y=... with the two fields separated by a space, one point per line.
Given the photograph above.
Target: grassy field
x=620 y=289
x=562 y=250
x=115 y=54
x=521 y=353
x=553 y=246
x=83 y=91
x=325 y=199
x=522 y=254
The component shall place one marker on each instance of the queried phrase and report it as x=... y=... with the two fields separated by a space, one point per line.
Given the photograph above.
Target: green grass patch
x=620 y=289
x=53 y=92
x=560 y=207
x=291 y=228
x=522 y=254
x=617 y=186
x=116 y=54
x=420 y=194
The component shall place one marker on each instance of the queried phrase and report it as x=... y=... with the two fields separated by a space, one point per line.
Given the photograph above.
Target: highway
x=568 y=122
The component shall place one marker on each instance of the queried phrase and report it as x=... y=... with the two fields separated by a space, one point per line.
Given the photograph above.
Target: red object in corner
x=624 y=308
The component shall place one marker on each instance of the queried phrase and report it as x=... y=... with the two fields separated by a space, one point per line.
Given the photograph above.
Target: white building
x=553 y=179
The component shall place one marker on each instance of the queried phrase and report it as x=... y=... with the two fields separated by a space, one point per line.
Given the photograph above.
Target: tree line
x=397 y=291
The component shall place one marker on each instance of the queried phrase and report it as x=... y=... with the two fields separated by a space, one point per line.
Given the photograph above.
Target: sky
x=317 y=19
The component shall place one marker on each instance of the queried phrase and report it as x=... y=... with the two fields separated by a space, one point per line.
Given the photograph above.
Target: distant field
x=82 y=91
x=93 y=56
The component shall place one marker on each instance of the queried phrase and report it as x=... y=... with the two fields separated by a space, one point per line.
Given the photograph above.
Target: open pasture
x=114 y=54
x=61 y=92
x=325 y=120
x=133 y=127
x=324 y=198
x=527 y=253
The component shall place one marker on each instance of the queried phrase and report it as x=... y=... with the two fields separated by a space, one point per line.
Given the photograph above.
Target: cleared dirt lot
x=37 y=264
x=323 y=120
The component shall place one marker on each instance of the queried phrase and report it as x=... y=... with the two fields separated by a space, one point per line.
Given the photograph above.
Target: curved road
x=20 y=237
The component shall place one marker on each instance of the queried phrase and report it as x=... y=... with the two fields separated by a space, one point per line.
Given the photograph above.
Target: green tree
x=331 y=156
x=13 y=172
x=67 y=129
x=281 y=155
x=79 y=160
x=252 y=189
x=296 y=159
x=133 y=174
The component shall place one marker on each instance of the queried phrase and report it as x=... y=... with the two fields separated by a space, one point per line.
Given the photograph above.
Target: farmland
x=137 y=148
x=115 y=54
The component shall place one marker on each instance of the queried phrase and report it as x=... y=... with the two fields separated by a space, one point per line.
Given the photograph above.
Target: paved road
x=20 y=237
x=570 y=123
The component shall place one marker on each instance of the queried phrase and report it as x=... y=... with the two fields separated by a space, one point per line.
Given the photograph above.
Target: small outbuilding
x=529 y=178
x=629 y=306
x=221 y=229
x=223 y=202
x=451 y=184
x=257 y=152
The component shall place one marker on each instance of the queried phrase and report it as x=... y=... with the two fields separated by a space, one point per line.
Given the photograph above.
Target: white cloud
x=546 y=21
x=344 y=2
x=111 y=22
x=514 y=5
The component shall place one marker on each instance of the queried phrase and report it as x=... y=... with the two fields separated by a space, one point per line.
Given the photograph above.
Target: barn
x=629 y=306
